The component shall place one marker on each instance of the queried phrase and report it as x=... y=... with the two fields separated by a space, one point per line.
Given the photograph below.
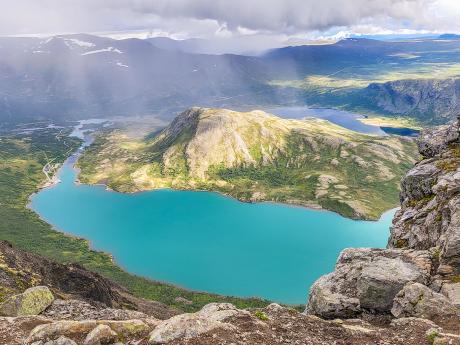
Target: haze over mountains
x=77 y=76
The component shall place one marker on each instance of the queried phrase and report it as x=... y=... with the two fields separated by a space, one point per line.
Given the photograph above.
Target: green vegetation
x=432 y=334
x=21 y=161
x=261 y=315
x=258 y=157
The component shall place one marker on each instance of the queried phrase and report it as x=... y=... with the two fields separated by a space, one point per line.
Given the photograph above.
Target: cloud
x=224 y=17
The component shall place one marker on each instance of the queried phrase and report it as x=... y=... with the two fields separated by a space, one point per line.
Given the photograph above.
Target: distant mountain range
x=80 y=76
x=449 y=37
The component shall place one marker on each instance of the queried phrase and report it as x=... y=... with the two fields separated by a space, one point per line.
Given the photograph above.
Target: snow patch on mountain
x=105 y=50
x=72 y=42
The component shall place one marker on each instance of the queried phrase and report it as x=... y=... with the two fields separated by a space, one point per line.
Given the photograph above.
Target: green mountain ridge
x=255 y=156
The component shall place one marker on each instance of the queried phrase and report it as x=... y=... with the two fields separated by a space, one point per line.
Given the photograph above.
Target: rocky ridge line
x=418 y=275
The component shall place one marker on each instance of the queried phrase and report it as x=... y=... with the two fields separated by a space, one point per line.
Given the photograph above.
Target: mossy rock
x=33 y=301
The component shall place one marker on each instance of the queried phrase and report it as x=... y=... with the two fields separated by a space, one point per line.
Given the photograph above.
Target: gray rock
x=366 y=279
x=452 y=292
x=61 y=341
x=186 y=326
x=33 y=301
x=383 y=279
x=418 y=300
x=433 y=141
x=430 y=194
x=102 y=334
x=418 y=181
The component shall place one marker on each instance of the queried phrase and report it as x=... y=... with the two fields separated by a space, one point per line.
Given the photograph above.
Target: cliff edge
x=418 y=275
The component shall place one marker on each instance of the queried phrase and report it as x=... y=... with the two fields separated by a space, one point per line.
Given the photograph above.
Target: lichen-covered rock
x=366 y=279
x=418 y=300
x=210 y=317
x=33 y=301
x=102 y=334
x=58 y=328
x=127 y=327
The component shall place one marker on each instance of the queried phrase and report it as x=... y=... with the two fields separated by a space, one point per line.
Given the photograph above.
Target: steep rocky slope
x=419 y=274
x=434 y=101
x=255 y=156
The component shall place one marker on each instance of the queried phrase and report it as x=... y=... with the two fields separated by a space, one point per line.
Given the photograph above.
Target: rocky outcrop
x=430 y=214
x=416 y=275
x=366 y=280
x=220 y=324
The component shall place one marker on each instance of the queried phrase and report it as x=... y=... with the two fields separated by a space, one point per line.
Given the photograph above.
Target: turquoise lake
x=206 y=241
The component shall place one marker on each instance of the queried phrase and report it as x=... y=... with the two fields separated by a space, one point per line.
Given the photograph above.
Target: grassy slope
x=292 y=176
x=21 y=162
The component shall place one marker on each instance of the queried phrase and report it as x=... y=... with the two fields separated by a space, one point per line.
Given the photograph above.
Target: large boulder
x=418 y=300
x=366 y=279
x=33 y=301
x=186 y=326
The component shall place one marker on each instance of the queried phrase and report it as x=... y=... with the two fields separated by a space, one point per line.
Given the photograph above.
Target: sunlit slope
x=255 y=156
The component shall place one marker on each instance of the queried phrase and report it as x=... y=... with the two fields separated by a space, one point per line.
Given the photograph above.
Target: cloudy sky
x=281 y=19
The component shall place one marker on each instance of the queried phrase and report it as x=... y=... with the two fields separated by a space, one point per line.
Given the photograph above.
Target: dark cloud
x=280 y=16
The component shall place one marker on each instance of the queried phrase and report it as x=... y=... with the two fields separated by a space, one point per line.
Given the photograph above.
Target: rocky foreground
x=48 y=303
x=406 y=294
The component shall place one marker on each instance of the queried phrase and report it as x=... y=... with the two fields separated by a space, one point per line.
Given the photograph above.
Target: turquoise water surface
x=205 y=241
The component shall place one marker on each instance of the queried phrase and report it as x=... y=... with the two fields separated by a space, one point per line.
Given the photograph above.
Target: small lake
x=342 y=118
x=205 y=241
